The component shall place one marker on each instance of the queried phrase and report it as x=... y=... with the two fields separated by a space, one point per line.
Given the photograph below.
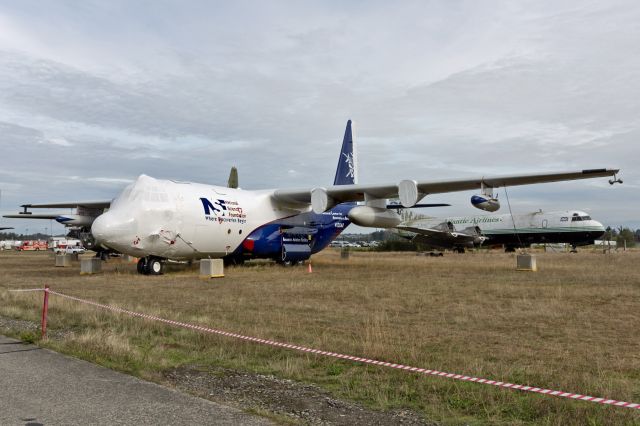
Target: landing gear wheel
x=154 y=266
x=142 y=265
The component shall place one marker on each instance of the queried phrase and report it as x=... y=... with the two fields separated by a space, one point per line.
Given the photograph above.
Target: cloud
x=106 y=91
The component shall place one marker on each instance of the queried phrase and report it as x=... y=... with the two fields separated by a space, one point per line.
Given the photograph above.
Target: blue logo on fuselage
x=216 y=207
x=223 y=211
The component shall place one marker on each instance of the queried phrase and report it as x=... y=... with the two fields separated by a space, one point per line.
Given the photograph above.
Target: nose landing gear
x=150 y=266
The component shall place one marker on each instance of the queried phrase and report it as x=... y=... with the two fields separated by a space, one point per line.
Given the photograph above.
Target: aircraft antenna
x=513 y=221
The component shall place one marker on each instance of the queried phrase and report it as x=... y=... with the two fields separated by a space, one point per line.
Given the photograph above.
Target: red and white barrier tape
x=27 y=289
x=575 y=396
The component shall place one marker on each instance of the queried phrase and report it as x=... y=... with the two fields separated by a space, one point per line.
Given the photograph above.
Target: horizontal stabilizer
x=400 y=206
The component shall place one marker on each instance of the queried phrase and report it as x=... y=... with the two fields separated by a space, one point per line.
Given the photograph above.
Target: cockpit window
x=577 y=218
x=123 y=196
x=139 y=193
x=155 y=195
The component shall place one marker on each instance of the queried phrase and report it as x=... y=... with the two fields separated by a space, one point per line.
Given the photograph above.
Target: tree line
x=12 y=236
x=622 y=235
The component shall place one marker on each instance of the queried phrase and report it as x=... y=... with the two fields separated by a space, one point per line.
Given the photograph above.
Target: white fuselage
x=537 y=222
x=179 y=220
x=572 y=227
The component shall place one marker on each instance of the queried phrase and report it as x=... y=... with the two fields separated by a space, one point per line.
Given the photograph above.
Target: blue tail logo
x=346 y=171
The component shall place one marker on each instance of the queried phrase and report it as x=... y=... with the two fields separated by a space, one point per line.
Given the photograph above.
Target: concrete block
x=211 y=268
x=62 y=260
x=526 y=262
x=90 y=266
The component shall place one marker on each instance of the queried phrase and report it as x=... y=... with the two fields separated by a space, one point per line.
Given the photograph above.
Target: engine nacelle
x=375 y=217
x=485 y=202
x=476 y=233
x=75 y=220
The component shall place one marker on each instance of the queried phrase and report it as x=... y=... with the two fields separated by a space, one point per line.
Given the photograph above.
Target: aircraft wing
x=33 y=216
x=86 y=212
x=438 y=236
x=410 y=191
x=436 y=233
x=101 y=204
x=4 y=227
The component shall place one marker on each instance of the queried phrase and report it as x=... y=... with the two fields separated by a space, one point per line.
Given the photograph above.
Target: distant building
x=605 y=243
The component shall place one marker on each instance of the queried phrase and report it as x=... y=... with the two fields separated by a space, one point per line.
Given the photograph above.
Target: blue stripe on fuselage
x=330 y=224
x=323 y=228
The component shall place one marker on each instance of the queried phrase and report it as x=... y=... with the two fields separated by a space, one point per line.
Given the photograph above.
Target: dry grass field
x=571 y=326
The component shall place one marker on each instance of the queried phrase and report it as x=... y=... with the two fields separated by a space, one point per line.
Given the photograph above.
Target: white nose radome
x=112 y=228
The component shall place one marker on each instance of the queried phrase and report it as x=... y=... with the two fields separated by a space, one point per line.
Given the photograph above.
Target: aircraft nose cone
x=109 y=228
x=99 y=228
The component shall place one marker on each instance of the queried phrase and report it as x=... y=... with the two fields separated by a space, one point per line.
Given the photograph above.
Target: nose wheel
x=150 y=266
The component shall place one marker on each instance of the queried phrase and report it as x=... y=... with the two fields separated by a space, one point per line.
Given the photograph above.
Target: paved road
x=42 y=387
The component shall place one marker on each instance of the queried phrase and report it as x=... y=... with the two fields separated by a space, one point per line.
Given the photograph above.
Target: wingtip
x=598 y=171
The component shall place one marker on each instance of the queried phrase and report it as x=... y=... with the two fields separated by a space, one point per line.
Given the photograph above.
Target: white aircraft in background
x=157 y=220
x=459 y=233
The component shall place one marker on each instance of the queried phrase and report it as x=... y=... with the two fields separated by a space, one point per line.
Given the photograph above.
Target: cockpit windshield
x=578 y=217
x=142 y=190
x=123 y=197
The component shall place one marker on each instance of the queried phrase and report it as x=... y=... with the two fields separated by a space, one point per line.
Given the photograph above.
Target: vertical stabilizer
x=233 y=178
x=347 y=172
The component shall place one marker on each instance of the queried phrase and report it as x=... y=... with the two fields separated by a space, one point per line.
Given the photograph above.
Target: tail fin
x=233 y=178
x=347 y=172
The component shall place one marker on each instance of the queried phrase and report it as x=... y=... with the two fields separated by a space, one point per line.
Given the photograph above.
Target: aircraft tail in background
x=347 y=172
x=233 y=178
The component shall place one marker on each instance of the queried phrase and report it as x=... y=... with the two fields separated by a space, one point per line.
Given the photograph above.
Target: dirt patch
x=20 y=326
x=302 y=403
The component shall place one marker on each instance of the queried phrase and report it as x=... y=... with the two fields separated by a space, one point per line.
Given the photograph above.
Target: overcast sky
x=94 y=93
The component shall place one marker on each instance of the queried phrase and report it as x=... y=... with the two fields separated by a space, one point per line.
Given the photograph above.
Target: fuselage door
x=545 y=222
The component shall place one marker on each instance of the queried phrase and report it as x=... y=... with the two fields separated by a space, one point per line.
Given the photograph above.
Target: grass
x=571 y=326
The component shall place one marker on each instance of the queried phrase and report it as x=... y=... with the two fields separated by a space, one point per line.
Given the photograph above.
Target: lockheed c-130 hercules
x=156 y=219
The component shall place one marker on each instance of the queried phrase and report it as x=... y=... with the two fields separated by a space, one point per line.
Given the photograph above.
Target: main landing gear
x=150 y=265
